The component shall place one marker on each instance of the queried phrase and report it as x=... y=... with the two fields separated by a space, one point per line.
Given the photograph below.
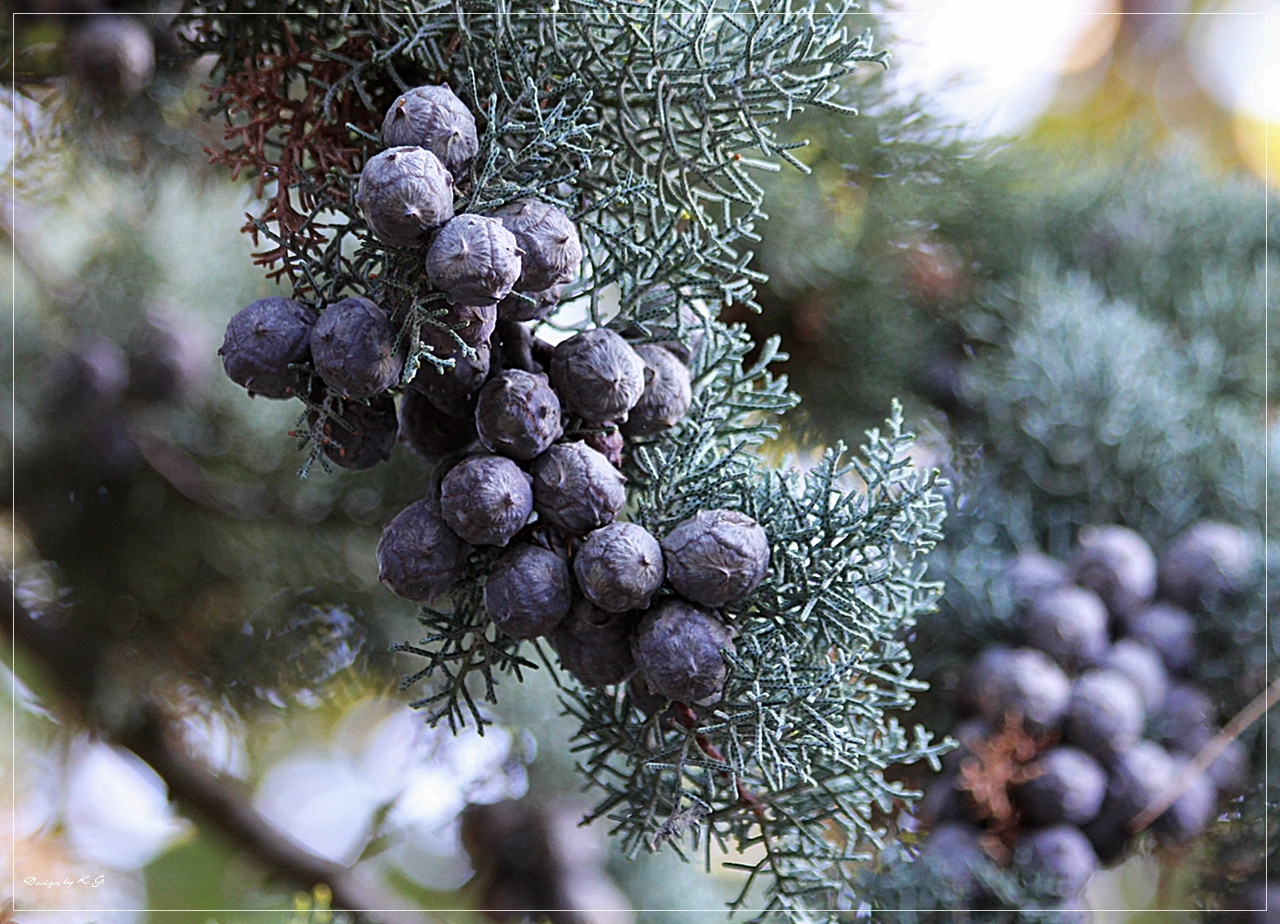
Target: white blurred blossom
x=216 y=740
x=211 y=733
x=384 y=766
x=116 y=810
x=56 y=887
x=38 y=788
x=321 y=802
x=1233 y=53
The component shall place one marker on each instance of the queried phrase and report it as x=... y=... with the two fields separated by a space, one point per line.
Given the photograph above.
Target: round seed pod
x=434 y=118
x=667 y=393
x=1193 y=810
x=112 y=58
x=1069 y=624
x=473 y=261
x=977 y=690
x=473 y=324
x=1105 y=716
x=575 y=488
x=608 y=443
x=939 y=379
x=431 y=433
x=619 y=567
x=529 y=306
x=943 y=801
x=363 y=434
x=419 y=557
x=1061 y=855
x=452 y=389
x=513 y=348
x=594 y=646
x=1229 y=771
x=263 y=340
x=953 y=851
x=1108 y=835
x=641 y=696
x=167 y=355
x=1116 y=564
x=1136 y=777
x=1185 y=722
x=677 y=648
x=1141 y=664
x=598 y=375
x=106 y=447
x=1208 y=561
x=1167 y=629
x=680 y=330
x=1031 y=574
x=528 y=591
x=404 y=194
x=85 y=382
x=486 y=500
x=353 y=345
x=552 y=251
x=1024 y=681
x=518 y=415
x=716 y=556
x=1068 y=787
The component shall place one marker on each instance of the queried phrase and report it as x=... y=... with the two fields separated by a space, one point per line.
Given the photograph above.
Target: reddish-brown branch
x=448 y=53
x=284 y=139
x=690 y=721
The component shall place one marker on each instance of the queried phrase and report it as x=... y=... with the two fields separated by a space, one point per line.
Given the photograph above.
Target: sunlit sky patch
x=1229 y=53
x=992 y=65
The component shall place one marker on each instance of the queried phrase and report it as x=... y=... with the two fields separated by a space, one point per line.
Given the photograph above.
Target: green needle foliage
x=645 y=122
x=1086 y=413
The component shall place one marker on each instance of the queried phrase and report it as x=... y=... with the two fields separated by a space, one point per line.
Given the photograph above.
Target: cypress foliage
x=648 y=124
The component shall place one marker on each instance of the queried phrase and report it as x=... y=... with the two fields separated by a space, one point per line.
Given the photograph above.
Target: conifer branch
x=647 y=122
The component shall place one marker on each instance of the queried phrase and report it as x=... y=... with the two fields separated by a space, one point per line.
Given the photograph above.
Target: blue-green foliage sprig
x=464 y=652
x=792 y=757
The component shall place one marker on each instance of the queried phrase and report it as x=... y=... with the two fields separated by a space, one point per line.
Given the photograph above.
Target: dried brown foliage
x=286 y=122
x=996 y=763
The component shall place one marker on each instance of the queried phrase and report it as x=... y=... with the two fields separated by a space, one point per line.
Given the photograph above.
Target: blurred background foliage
x=1063 y=276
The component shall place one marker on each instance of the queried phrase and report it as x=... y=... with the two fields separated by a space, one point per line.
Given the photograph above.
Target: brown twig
x=192 y=482
x=448 y=53
x=1207 y=755
x=745 y=795
x=74 y=659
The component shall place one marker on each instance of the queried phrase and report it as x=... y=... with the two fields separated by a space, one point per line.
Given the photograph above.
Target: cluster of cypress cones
x=1093 y=723
x=493 y=419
